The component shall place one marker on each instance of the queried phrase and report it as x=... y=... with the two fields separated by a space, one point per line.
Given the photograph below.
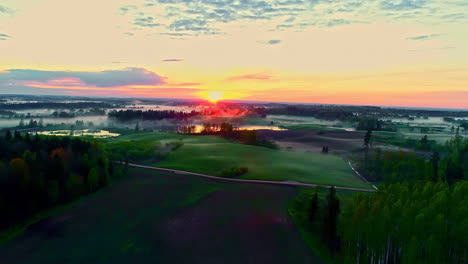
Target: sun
x=214 y=96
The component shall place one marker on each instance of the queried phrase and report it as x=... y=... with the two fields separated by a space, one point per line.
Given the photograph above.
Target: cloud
x=146 y=22
x=259 y=77
x=194 y=18
x=173 y=60
x=5 y=10
x=402 y=5
x=273 y=41
x=103 y=79
x=204 y=17
x=4 y=36
x=423 y=37
x=125 y=9
x=127 y=82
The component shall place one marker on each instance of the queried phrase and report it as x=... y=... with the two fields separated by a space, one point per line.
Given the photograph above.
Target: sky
x=365 y=52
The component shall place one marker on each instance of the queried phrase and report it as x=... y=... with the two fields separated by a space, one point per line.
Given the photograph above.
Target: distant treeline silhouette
x=126 y=115
x=51 y=105
x=340 y=112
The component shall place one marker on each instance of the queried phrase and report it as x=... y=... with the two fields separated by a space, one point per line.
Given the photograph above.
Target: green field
x=210 y=155
x=157 y=217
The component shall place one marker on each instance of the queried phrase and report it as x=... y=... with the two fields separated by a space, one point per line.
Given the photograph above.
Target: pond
x=80 y=133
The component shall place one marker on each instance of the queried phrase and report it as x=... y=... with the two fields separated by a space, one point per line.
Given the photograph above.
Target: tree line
x=53 y=105
x=38 y=172
x=419 y=222
x=228 y=131
x=451 y=165
x=127 y=115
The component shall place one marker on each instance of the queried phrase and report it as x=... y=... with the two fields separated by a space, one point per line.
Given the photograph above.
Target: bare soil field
x=339 y=142
x=157 y=217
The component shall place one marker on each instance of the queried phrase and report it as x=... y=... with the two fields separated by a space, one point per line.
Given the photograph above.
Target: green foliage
x=367 y=138
x=421 y=222
x=330 y=221
x=41 y=172
x=392 y=167
x=301 y=210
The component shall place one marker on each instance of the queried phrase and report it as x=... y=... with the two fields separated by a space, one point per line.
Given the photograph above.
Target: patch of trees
x=372 y=123
x=318 y=111
x=420 y=222
x=92 y=112
x=63 y=114
x=53 y=105
x=323 y=219
x=7 y=113
x=31 y=124
x=39 y=172
x=228 y=131
x=127 y=115
x=392 y=167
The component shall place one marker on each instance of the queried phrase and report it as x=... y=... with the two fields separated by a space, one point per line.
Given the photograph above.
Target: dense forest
x=391 y=167
x=418 y=215
x=420 y=222
x=39 y=172
x=151 y=115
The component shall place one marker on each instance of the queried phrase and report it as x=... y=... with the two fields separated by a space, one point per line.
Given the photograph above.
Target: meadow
x=211 y=155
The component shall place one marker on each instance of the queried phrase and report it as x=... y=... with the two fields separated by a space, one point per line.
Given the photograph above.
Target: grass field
x=156 y=217
x=210 y=155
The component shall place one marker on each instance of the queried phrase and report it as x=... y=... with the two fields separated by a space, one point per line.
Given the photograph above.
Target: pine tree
x=8 y=135
x=435 y=165
x=313 y=209
x=330 y=221
x=367 y=138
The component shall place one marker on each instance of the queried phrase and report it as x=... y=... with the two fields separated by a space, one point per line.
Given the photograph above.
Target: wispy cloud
x=126 y=9
x=103 y=79
x=258 y=77
x=146 y=22
x=209 y=16
x=4 y=36
x=173 y=60
x=402 y=5
x=273 y=41
x=423 y=37
x=6 y=10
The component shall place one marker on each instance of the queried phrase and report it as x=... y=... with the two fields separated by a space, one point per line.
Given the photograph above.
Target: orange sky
x=384 y=52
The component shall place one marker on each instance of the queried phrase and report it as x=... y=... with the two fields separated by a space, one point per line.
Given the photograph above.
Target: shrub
x=234 y=172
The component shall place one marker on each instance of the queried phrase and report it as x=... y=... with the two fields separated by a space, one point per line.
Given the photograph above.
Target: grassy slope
x=210 y=155
x=263 y=163
x=156 y=217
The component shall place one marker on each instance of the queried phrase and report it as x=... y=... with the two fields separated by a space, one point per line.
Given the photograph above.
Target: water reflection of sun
x=214 y=96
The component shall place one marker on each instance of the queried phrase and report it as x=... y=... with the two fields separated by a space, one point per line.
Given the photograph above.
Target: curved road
x=283 y=183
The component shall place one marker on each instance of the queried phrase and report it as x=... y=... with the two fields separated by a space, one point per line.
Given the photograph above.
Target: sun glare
x=215 y=96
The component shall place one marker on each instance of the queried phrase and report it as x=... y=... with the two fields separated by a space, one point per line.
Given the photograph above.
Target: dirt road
x=283 y=183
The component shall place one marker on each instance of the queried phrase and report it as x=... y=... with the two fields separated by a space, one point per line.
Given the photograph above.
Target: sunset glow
x=397 y=53
x=214 y=96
